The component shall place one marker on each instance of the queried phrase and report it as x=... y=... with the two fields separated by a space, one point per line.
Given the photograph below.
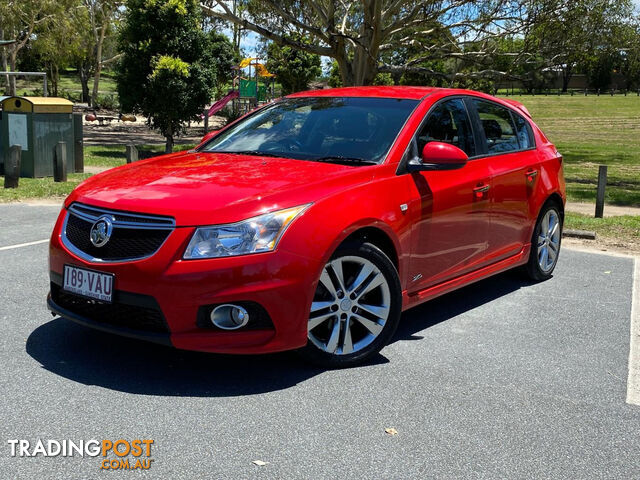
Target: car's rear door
x=450 y=233
x=509 y=148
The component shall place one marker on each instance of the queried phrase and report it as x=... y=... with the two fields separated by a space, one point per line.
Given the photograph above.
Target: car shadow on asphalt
x=92 y=357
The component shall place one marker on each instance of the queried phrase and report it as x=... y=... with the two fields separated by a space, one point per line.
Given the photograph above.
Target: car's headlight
x=255 y=235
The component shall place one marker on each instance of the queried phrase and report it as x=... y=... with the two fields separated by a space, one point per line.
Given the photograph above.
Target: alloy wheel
x=351 y=306
x=548 y=244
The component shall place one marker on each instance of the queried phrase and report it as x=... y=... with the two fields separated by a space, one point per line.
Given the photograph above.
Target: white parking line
x=20 y=245
x=633 y=382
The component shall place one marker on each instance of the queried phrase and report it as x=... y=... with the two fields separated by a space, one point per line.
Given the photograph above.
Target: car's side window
x=498 y=127
x=524 y=132
x=448 y=122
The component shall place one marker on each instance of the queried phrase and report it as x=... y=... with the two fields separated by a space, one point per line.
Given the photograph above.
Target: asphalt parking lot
x=502 y=379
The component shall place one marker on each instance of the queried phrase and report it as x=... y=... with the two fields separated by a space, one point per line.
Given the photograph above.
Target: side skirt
x=409 y=301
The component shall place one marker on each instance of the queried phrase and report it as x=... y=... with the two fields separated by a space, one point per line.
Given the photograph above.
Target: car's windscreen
x=350 y=130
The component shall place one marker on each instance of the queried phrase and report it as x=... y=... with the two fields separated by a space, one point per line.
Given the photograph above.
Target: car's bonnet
x=209 y=188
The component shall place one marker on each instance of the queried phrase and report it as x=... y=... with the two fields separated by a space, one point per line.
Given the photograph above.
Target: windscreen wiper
x=257 y=153
x=343 y=159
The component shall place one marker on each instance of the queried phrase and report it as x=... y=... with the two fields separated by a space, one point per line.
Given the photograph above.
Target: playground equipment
x=247 y=93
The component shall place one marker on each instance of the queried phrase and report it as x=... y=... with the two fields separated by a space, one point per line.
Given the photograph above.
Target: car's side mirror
x=209 y=135
x=438 y=156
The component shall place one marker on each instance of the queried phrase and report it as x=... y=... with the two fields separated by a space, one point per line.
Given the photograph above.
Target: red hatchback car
x=311 y=223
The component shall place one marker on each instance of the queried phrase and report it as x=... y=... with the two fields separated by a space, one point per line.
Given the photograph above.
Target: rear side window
x=448 y=122
x=498 y=127
x=524 y=132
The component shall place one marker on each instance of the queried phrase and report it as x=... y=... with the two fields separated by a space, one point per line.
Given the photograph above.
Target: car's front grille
x=144 y=315
x=133 y=237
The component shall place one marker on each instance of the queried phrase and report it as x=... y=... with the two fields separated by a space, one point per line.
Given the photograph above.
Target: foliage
x=167 y=71
x=363 y=37
x=334 y=75
x=294 y=68
x=574 y=38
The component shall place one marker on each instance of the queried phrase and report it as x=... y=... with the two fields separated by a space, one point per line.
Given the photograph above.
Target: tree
x=293 y=68
x=166 y=71
x=101 y=15
x=18 y=23
x=578 y=34
x=358 y=34
x=55 y=43
x=630 y=55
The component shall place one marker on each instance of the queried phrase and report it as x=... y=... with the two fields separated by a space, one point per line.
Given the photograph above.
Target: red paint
x=452 y=233
x=443 y=153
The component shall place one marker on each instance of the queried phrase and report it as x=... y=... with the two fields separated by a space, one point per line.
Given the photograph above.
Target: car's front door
x=451 y=207
x=507 y=141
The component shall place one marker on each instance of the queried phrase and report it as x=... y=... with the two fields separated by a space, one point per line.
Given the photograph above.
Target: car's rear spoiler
x=518 y=105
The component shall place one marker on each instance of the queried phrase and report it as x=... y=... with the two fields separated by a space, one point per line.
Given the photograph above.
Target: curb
x=586 y=234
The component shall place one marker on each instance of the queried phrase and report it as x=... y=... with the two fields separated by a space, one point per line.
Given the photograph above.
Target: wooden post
x=78 y=160
x=132 y=153
x=206 y=121
x=602 y=182
x=60 y=162
x=12 y=167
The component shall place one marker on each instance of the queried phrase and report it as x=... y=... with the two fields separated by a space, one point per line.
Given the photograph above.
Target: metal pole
x=602 y=182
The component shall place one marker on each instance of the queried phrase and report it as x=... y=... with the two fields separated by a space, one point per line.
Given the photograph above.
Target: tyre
x=545 y=244
x=356 y=307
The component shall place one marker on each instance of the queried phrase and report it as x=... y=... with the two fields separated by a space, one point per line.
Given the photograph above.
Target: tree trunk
x=4 y=65
x=12 y=78
x=168 y=147
x=567 y=73
x=96 y=76
x=83 y=73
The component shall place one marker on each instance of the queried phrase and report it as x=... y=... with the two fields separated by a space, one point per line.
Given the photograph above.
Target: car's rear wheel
x=356 y=307
x=545 y=244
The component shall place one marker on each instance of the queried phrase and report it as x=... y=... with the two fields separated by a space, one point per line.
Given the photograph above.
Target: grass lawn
x=68 y=81
x=626 y=226
x=114 y=155
x=591 y=131
x=40 y=188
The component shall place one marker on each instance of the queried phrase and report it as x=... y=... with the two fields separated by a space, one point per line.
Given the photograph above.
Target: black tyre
x=356 y=307
x=545 y=243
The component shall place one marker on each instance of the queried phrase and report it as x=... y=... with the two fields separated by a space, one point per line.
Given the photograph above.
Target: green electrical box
x=37 y=124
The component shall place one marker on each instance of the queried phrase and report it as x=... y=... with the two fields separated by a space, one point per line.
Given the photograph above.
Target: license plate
x=88 y=283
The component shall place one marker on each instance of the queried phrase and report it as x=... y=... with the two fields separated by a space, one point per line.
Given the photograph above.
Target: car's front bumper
x=280 y=282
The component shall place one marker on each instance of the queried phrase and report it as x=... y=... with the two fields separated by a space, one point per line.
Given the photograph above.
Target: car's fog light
x=229 y=317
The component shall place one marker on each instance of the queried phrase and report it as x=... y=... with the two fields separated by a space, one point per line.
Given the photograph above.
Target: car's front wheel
x=356 y=307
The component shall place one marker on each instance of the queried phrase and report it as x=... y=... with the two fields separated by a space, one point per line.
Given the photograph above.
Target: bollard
x=12 y=167
x=60 y=162
x=132 y=153
x=602 y=182
x=78 y=157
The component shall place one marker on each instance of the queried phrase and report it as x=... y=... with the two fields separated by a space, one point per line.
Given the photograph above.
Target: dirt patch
x=626 y=247
x=585 y=208
x=138 y=133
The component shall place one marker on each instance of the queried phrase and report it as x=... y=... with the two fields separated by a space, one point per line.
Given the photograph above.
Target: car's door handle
x=480 y=190
x=531 y=175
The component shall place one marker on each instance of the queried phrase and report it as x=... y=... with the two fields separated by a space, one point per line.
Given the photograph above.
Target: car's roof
x=414 y=93
x=405 y=92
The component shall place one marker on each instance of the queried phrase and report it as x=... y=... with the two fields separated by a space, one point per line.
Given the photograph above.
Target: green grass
x=620 y=228
x=97 y=156
x=591 y=131
x=40 y=188
x=69 y=81
x=114 y=155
